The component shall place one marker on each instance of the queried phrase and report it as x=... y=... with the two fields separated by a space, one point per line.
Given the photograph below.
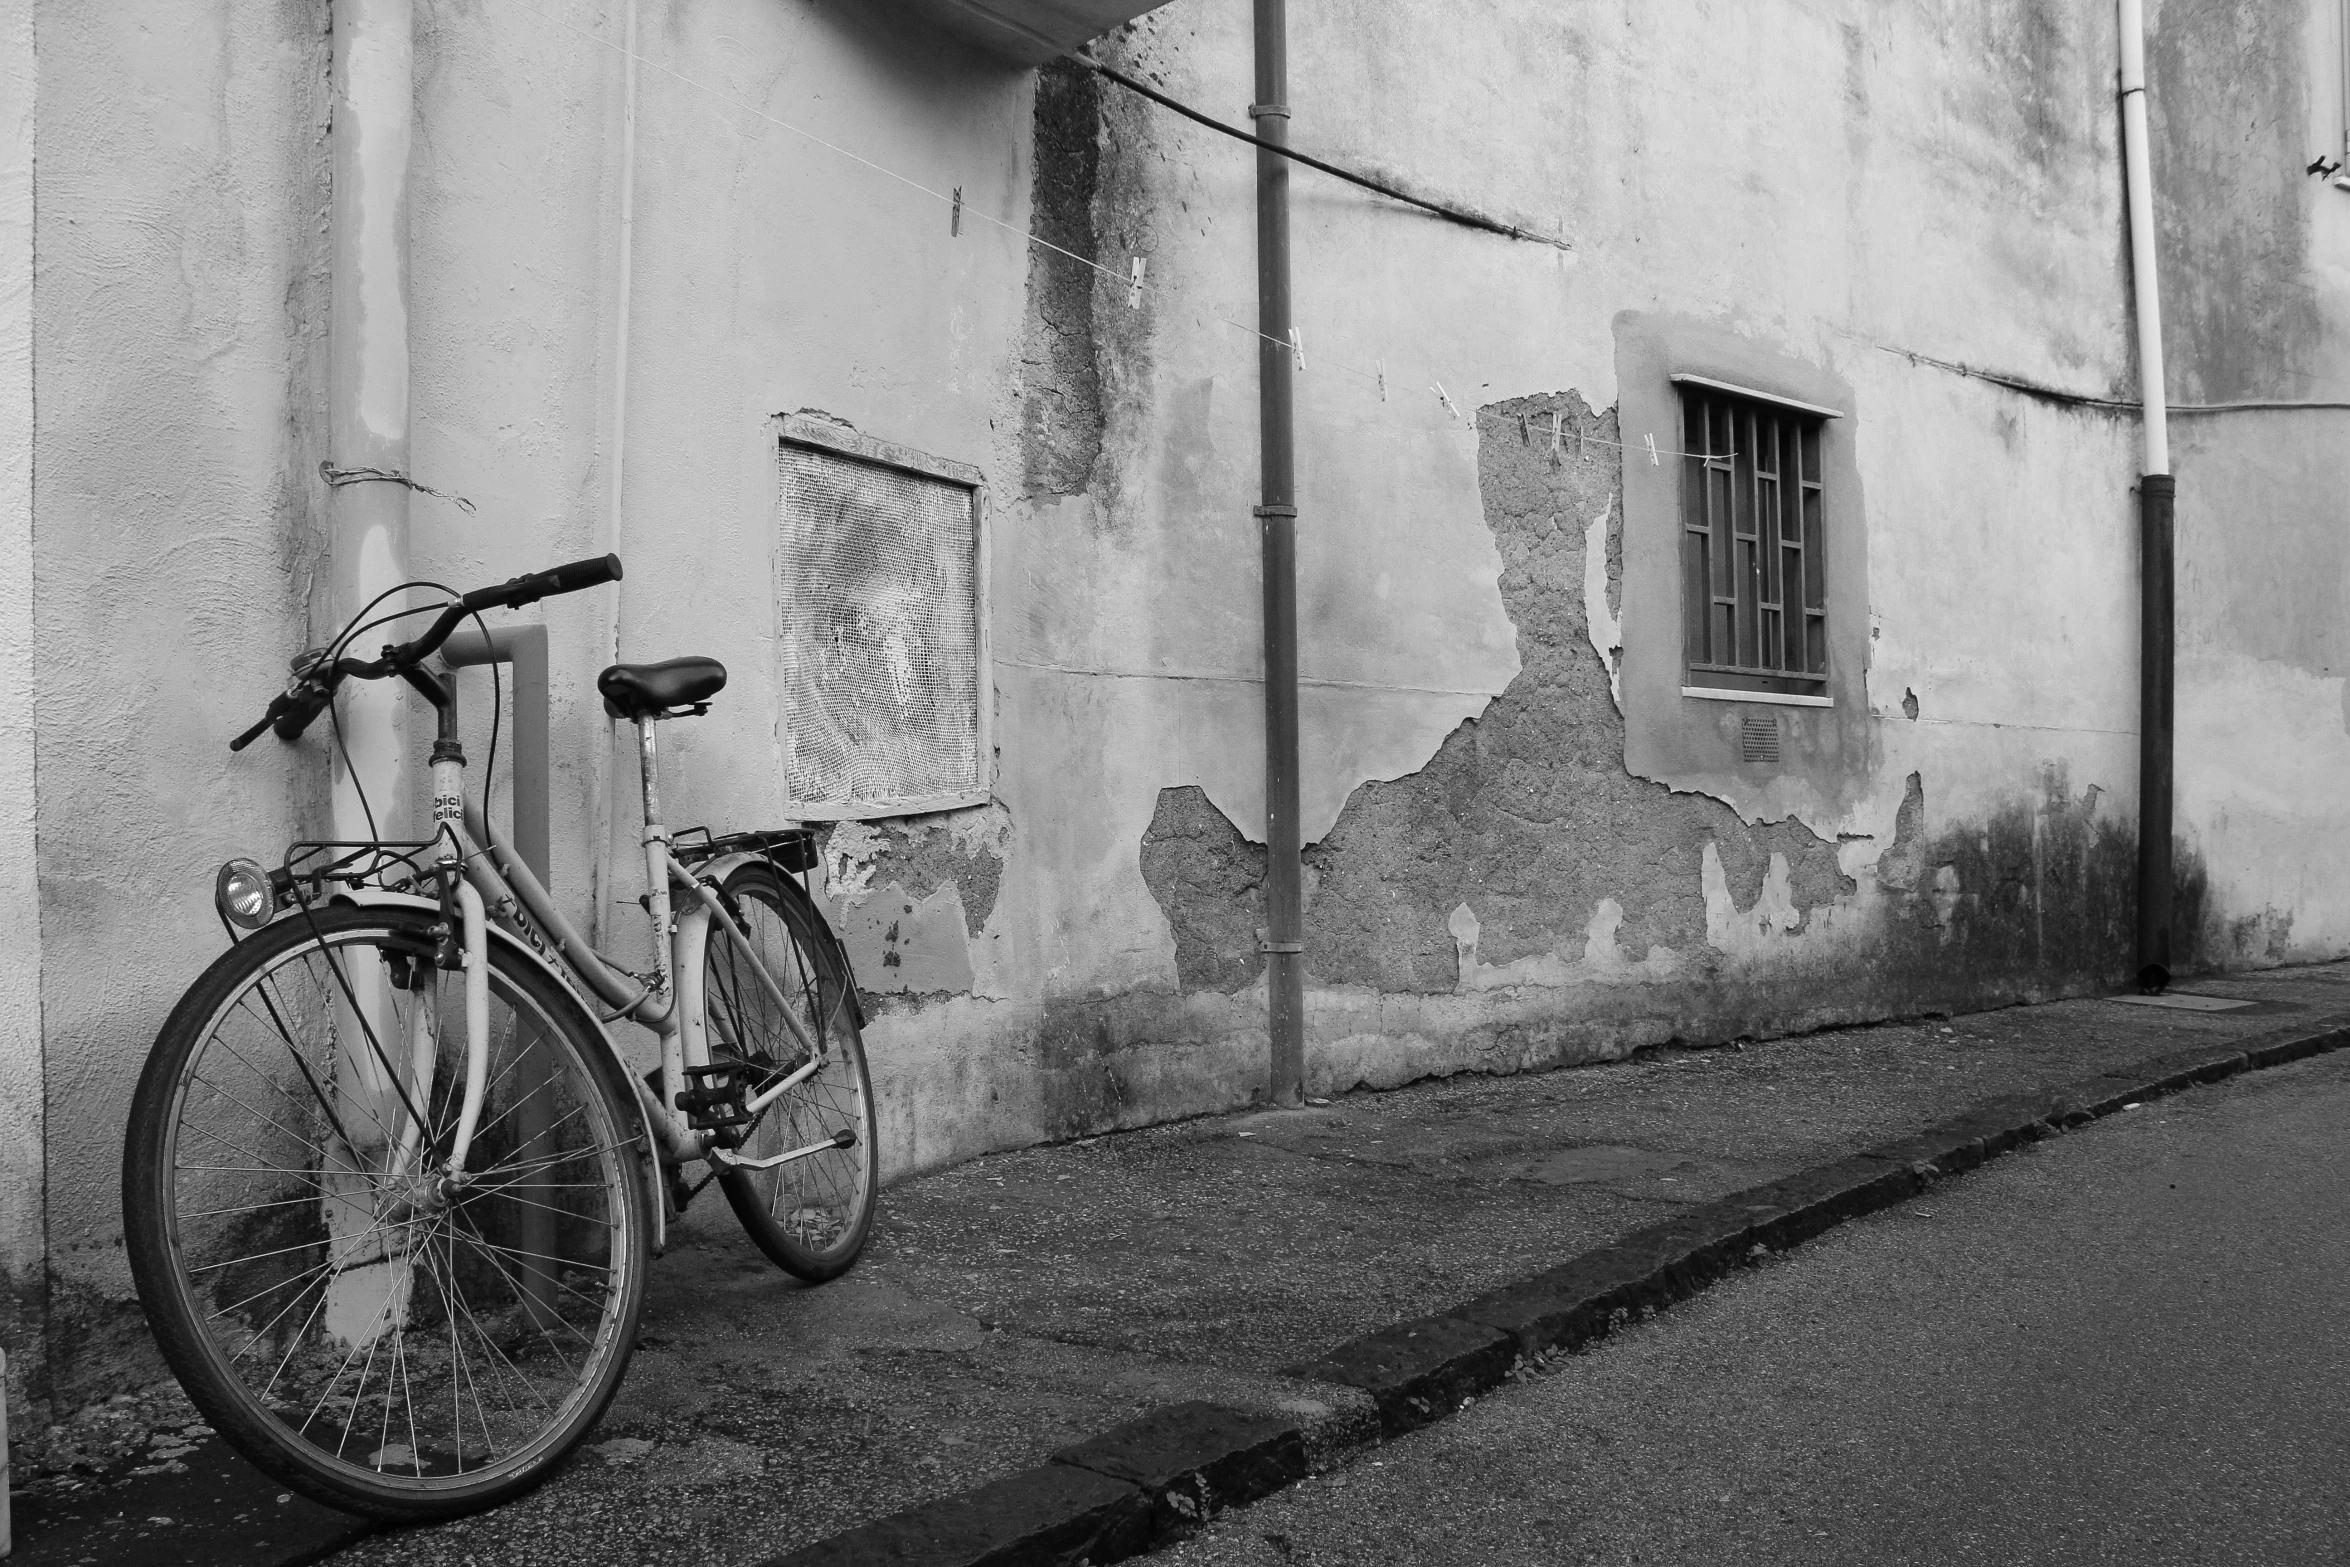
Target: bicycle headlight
x=242 y=894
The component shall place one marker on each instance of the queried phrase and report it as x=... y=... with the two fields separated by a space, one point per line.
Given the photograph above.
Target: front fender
x=583 y=1016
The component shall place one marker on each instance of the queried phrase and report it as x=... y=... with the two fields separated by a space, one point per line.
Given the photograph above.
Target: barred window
x=1754 y=598
x=882 y=626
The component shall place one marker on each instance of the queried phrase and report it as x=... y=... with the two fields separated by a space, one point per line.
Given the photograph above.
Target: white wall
x=20 y=916
x=175 y=322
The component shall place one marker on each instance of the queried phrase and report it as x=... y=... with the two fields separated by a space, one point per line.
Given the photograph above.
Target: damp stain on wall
x=1060 y=393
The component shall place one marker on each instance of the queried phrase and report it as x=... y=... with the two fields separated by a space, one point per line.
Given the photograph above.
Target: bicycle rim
x=394 y=1342
x=810 y=1215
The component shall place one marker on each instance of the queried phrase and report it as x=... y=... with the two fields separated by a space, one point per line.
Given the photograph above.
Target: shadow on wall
x=1525 y=856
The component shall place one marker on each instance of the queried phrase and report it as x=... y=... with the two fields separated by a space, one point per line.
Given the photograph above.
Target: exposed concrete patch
x=910 y=897
x=1899 y=866
x=1196 y=862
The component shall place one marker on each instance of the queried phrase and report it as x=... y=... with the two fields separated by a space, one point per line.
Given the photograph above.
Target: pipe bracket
x=1281 y=946
x=1272 y=511
x=1259 y=111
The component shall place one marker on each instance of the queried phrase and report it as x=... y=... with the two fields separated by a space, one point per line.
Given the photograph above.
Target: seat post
x=657 y=865
x=652 y=772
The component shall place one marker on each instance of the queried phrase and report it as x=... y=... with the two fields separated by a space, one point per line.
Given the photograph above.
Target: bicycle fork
x=473 y=933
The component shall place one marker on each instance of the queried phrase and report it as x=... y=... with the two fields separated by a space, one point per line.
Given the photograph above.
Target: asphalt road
x=2128 y=1345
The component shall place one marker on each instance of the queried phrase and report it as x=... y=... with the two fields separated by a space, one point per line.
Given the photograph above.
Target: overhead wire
x=1457 y=214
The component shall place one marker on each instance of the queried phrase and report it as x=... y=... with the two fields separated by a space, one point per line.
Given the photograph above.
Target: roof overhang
x=1029 y=32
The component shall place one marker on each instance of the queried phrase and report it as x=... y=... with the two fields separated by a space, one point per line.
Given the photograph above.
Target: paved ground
x=1020 y=1302
x=2123 y=1346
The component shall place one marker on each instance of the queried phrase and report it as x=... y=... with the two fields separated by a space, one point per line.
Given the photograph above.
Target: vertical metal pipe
x=600 y=895
x=372 y=78
x=525 y=648
x=2155 y=683
x=1285 y=988
x=2156 y=493
x=367 y=380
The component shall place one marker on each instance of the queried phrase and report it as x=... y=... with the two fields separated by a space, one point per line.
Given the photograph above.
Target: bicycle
x=390 y=1189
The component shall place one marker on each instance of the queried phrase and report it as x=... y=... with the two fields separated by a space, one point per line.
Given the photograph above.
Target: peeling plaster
x=1526 y=816
x=911 y=897
x=1602 y=578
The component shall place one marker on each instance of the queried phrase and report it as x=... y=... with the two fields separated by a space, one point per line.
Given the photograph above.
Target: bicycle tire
x=356 y=1248
x=811 y=1217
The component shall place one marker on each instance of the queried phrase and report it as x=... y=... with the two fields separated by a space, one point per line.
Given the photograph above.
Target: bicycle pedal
x=716 y=1101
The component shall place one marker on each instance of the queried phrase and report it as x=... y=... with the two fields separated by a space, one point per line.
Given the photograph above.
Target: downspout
x=1284 y=940
x=373 y=82
x=372 y=78
x=2156 y=493
x=600 y=893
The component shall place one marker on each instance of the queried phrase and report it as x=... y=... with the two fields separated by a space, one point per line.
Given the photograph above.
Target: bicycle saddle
x=649 y=690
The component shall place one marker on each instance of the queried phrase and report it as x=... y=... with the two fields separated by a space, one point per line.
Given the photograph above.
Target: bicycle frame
x=494 y=885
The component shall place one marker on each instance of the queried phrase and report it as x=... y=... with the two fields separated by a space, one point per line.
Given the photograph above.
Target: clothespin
x=1525 y=430
x=1554 y=438
x=1297 y=348
x=1134 y=274
x=955 y=216
x=1653 y=460
x=1382 y=380
x=1445 y=398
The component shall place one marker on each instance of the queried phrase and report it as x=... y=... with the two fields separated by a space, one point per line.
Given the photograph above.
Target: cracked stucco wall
x=1525 y=860
x=1525 y=814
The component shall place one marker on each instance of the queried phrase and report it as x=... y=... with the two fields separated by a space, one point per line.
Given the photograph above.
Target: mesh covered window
x=882 y=626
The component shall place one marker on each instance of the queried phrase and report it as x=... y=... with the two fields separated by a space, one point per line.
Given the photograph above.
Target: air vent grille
x=1758 y=737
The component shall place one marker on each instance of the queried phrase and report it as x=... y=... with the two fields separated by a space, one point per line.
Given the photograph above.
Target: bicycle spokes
x=395 y=1318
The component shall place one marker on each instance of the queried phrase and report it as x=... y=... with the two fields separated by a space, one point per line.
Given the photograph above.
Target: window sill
x=1768 y=698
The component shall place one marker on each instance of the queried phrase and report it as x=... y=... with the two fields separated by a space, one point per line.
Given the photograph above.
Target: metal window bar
x=1754 y=596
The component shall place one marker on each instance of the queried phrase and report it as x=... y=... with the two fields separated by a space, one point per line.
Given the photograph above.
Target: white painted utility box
x=1029 y=32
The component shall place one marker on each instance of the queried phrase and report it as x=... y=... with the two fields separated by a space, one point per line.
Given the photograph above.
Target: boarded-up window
x=881 y=570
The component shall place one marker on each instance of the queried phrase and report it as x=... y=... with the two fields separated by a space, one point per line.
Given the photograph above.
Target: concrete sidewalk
x=1017 y=1305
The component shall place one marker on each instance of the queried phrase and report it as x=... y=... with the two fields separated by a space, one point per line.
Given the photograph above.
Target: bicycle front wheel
x=380 y=1337
x=809 y=1216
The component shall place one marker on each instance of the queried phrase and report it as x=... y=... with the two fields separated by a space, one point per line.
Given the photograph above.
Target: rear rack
x=791 y=848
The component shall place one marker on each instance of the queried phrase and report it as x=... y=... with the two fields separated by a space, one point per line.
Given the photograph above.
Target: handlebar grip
x=529 y=589
x=301 y=711
x=584 y=574
x=254 y=733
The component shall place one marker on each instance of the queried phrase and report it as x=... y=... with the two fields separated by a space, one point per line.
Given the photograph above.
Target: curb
x=1154 y=1479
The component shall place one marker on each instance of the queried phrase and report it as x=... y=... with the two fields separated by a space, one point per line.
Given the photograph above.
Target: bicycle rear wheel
x=384 y=1341
x=809 y=1216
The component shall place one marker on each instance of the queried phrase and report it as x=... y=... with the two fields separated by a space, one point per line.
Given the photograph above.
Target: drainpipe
x=2156 y=492
x=367 y=382
x=600 y=893
x=1284 y=939
x=367 y=430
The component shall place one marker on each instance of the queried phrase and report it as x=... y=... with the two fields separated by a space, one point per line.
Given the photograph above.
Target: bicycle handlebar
x=312 y=687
